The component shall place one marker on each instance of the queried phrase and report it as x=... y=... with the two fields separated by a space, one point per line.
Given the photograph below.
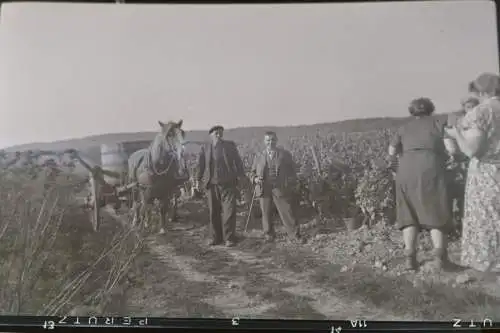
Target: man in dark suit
x=219 y=167
x=274 y=175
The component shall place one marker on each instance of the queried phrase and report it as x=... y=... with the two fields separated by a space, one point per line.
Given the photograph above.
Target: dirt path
x=254 y=280
x=180 y=276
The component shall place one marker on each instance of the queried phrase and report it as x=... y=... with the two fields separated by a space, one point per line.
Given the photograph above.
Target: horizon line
x=201 y=130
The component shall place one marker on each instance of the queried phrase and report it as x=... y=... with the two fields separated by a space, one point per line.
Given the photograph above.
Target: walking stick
x=250 y=209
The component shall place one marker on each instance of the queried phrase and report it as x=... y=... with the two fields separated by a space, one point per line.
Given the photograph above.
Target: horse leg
x=145 y=209
x=173 y=211
x=164 y=207
x=136 y=207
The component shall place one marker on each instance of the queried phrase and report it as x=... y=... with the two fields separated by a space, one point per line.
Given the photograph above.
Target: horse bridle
x=173 y=152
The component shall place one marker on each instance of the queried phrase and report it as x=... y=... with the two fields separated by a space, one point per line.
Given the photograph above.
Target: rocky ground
x=336 y=275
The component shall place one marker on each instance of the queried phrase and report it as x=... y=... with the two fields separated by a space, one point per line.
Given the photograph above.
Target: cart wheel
x=95 y=213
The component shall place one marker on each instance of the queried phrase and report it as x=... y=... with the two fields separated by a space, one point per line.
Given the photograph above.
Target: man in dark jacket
x=273 y=173
x=219 y=167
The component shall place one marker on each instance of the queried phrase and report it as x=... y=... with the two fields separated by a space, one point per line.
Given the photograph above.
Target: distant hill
x=91 y=145
x=237 y=134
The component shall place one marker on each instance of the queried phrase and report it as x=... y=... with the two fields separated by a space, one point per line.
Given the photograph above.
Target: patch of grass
x=287 y=305
x=426 y=301
x=258 y=284
x=169 y=294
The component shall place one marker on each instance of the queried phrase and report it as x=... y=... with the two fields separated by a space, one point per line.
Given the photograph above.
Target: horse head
x=174 y=137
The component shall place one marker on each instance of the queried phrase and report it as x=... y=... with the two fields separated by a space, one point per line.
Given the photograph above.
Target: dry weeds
x=52 y=262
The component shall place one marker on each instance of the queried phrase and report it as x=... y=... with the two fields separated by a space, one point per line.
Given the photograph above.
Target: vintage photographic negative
x=266 y=161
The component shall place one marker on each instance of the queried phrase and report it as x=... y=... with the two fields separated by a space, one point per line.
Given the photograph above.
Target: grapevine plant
x=360 y=186
x=346 y=180
x=375 y=193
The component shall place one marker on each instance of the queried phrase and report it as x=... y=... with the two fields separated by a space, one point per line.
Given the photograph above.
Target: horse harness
x=151 y=168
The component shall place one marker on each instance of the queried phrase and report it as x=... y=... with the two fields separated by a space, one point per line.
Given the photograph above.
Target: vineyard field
x=338 y=274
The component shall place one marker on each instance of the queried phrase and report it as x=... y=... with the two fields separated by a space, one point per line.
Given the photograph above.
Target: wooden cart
x=101 y=193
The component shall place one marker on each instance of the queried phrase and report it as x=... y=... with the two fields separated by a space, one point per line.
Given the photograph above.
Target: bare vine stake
x=249 y=216
x=316 y=160
x=318 y=168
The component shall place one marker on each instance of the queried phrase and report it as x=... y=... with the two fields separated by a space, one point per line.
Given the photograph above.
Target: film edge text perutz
x=334 y=326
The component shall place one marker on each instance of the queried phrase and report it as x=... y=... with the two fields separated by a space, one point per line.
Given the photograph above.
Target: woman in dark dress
x=422 y=199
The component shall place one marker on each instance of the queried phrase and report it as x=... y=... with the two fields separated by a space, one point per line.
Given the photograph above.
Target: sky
x=72 y=70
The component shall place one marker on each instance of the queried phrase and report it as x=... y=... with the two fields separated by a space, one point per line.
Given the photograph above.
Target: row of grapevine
x=354 y=173
x=354 y=176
